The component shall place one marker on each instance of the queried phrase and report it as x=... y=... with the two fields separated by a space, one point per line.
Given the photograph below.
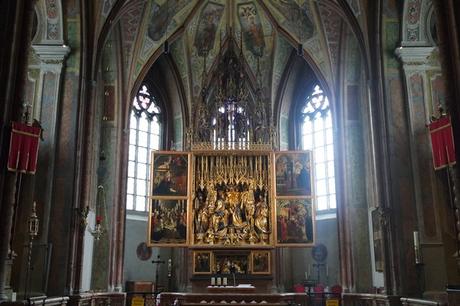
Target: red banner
x=23 y=148
x=442 y=142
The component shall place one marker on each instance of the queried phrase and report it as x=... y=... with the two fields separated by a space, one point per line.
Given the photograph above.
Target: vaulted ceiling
x=195 y=31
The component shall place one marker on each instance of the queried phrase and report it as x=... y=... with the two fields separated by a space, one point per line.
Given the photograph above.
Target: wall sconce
x=98 y=230
x=33 y=222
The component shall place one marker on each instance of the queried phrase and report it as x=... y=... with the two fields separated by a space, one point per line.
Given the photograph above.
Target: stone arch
x=417 y=15
x=49 y=22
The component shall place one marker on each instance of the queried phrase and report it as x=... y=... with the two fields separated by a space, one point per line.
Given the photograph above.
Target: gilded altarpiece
x=232 y=207
x=232 y=200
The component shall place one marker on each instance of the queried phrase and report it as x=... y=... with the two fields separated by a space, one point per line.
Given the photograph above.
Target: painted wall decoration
x=252 y=28
x=297 y=17
x=52 y=27
x=438 y=91
x=294 y=222
x=169 y=176
x=161 y=16
x=293 y=173
x=143 y=251
x=167 y=222
x=207 y=27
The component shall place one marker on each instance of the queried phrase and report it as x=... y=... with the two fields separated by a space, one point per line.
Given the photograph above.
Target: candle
x=219 y=281
x=306 y=275
x=213 y=281
x=224 y=281
x=417 y=251
x=327 y=270
x=416 y=239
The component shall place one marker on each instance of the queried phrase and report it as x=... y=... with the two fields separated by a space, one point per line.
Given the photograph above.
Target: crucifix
x=157 y=262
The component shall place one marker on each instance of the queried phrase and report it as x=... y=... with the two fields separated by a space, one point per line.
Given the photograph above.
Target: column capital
x=414 y=56
x=51 y=56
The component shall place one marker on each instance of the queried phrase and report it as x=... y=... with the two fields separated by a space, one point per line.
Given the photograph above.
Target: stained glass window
x=316 y=133
x=144 y=136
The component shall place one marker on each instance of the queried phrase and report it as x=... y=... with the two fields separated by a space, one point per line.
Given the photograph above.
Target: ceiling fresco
x=129 y=24
x=200 y=31
x=332 y=28
x=160 y=20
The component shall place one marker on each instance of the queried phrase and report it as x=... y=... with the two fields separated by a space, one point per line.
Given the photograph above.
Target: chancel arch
x=238 y=86
x=199 y=70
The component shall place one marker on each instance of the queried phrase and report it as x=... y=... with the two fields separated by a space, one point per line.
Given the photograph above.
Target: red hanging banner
x=23 y=152
x=442 y=142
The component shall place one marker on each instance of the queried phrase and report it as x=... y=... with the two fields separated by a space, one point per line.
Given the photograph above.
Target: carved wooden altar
x=231 y=200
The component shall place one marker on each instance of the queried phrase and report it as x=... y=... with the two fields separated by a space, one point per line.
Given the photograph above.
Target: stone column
x=46 y=109
x=425 y=91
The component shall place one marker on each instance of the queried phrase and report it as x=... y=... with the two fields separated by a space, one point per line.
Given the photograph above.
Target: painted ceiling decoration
x=297 y=18
x=209 y=20
x=198 y=33
x=129 y=24
x=251 y=26
x=161 y=16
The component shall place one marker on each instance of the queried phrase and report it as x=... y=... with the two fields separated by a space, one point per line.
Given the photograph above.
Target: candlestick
x=416 y=239
x=418 y=254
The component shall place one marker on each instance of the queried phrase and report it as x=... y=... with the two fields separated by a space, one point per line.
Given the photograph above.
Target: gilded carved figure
x=225 y=209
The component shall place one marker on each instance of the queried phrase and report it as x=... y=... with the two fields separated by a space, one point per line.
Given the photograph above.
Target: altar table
x=232 y=298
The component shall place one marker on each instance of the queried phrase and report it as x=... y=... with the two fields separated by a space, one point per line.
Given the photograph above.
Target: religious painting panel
x=169 y=175
x=231 y=204
x=161 y=16
x=207 y=27
x=202 y=262
x=252 y=28
x=293 y=173
x=260 y=262
x=168 y=222
x=295 y=222
x=231 y=262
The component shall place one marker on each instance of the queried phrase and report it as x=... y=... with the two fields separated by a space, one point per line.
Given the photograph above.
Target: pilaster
x=423 y=82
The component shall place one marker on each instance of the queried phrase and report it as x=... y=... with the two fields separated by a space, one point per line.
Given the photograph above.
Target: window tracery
x=316 y=133
x=145 y=135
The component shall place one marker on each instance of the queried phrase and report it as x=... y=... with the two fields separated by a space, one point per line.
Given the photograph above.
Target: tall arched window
x=145 y=131
x=316 y=131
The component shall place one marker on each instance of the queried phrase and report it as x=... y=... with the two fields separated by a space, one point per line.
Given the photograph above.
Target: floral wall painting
x=168 y=222
x=295 y=222
x=293 y=173
x=169 y=174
